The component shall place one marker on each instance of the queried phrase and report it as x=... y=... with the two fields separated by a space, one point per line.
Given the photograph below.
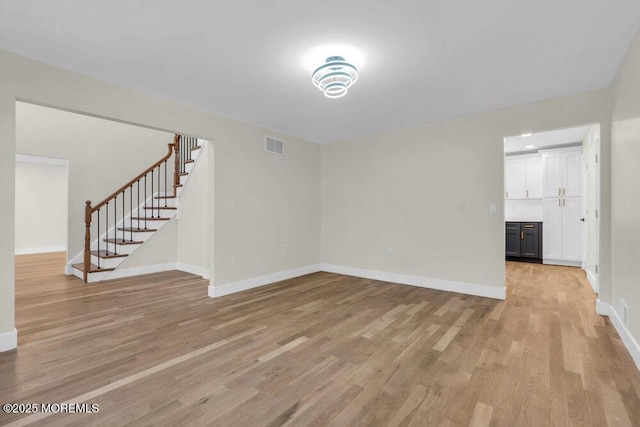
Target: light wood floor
x=322 y=349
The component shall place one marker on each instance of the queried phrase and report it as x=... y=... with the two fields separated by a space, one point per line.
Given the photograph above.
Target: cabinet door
x=513 y=239
x=514 y=171
x=552 y=236
x=571 y=229
x=551 y=174
x=530 y=244
x=572 y=173
x=533 y=177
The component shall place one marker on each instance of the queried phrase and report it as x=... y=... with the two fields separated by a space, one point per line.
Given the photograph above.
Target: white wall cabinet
x=572 y=229
x=572 y=173
x=562 y=235
x=514 y=179
x=533 y=177
x=523 y=177
x=551 y=174
x=552 y=229
x=562 y=206
x=561 y=176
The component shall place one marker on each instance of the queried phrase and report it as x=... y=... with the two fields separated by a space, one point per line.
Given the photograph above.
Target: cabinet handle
x=559 y=191
x=522 y=235
x=527 y=194
x=559 y=202
x=564 y=191
x=564 y=202
x=506 y=194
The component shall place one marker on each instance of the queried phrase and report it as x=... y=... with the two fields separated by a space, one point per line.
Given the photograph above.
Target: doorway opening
x=552 y=198
x=41 y=182
x=116 y=166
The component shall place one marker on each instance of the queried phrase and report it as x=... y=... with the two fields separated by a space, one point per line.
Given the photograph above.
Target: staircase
x=126 y=219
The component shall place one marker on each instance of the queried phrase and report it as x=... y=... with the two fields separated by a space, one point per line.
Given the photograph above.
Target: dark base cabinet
x=524 y=241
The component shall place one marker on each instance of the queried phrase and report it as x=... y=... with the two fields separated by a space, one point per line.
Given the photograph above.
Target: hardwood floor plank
x=321 y=349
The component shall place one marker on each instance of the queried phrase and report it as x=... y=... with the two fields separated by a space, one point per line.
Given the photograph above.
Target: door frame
x=594 y=149
x=592 y=277
x=585 y=205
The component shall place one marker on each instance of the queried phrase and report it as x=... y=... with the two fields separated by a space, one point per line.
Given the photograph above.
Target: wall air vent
x=273 y=145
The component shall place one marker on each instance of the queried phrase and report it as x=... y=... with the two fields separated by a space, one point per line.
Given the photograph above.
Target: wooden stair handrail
x=140 y=176
x=89 y=210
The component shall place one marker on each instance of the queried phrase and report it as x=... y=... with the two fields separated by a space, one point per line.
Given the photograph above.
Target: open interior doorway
x=41 y=187
x=136 y=193
x=552 y=198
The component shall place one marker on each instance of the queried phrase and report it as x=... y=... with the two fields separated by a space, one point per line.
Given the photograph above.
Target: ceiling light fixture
x=335 y=77
x=530 y=146
x=524 y=135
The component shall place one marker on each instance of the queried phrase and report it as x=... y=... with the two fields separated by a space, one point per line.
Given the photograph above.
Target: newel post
x=87 y=240
x=176 y=171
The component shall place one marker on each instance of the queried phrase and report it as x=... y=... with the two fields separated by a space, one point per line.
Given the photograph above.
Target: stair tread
x=155 y=208
x=92 y=268
x=135 y=218
x=107 y=254
x=164 y=197
x=183 y=174
x=197 y=147
x=177 y=185
x=120 y=241
x=137 y=230
x=189 y=161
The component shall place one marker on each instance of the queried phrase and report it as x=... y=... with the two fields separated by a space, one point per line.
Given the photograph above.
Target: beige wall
x=195 y=222
x=426 y=191
x=259 y=210
x=625 y=194
x=261 y=202
x=102 y=155
x=40 y=185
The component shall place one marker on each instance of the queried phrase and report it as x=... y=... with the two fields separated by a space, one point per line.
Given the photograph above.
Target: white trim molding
x=147 y=269
x=137 y=271
x=593 y=281
x=198 y=271
x=45 y=250
x=158 y=268
x=628 y=340
x=497 y=292
x=254 y=282
x=9 y=340
x=562 y=262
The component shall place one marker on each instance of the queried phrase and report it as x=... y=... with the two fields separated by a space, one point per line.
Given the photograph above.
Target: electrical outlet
x=390 y=251
x=492 y=209
x=624 y=315
x=285 y=250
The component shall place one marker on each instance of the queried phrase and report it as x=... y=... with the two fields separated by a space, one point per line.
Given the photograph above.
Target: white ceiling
x=419 y=61
x=540 y=140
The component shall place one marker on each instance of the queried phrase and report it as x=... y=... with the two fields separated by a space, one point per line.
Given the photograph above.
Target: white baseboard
x=496 y=292
x=592 y=281
x=9 y=340
x=628 y=340
x=44 y=250
x=602 y=308
x=136 y=271
x=254 y=282
x=562 y=262
x=192 y=269
x=147 y=269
